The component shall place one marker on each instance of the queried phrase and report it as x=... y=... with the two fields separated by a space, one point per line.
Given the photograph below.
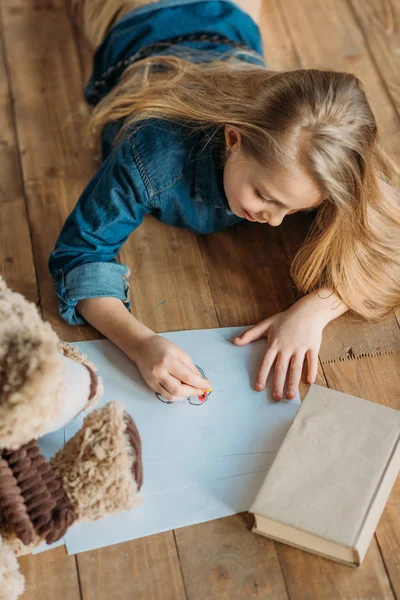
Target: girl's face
x=265 y=198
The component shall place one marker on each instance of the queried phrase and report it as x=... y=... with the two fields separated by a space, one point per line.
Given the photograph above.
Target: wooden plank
x=145 y=569
x=85 y=56
x=279 y=51
x=46 y=88
x=224 y=559
x=50 y=202
x=329 y=580
x=39 y=44
x=169 y=286
x=380 y=24
x=49 y=575
x=248 y=269
x=16 y=257
x=326 y=35
x=348 y=337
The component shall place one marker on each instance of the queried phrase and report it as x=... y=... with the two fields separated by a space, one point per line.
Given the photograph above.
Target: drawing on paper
x=193 y=400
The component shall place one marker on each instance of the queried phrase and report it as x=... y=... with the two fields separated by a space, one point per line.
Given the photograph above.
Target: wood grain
x=379 y=22
x=50 y=575
x=16 y=257
x=47 y=100
x=169 y=286
x=145 y=569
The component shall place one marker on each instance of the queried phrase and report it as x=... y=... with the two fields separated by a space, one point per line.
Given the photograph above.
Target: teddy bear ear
x=11 y=581
x=32 y=371
x=96 y=384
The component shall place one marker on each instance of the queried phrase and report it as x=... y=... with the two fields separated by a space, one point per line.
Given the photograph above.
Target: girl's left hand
x=292 y=335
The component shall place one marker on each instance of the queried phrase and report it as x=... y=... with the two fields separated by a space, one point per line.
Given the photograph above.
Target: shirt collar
x=209 y=172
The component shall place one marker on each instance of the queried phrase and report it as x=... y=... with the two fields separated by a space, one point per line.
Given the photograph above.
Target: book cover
x=332 y=476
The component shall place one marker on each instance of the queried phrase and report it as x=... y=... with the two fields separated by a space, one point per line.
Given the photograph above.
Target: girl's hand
x=168 y=370
x=292 y=336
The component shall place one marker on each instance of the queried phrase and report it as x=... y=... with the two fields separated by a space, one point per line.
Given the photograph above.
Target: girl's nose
x=276 y=220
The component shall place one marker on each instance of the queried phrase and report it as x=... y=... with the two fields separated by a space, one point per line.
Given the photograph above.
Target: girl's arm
x=294 y=335
x=165 y=368
x=112 y=319
x=86 y=273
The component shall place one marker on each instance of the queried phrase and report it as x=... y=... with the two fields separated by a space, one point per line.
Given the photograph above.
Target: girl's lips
x=248 y=217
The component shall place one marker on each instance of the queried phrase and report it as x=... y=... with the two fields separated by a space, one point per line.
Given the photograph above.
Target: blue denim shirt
x=169 y=18
x=164 y=169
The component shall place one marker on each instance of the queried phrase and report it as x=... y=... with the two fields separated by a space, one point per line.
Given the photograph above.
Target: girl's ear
x=233 y=138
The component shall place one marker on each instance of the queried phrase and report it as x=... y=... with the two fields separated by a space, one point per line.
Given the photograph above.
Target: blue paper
x=202 y=461
x=169 y=510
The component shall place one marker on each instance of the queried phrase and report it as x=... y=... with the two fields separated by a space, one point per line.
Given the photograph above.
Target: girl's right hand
x=168 y=370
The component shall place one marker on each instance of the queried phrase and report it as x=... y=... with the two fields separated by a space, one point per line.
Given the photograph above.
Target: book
x=329 y=483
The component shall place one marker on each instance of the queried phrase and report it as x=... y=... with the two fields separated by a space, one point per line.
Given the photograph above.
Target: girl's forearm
x=326 y=304
x=112 y=319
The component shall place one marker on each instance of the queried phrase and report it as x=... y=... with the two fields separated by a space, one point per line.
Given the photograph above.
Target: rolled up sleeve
x=83 y=263
x=91 y=280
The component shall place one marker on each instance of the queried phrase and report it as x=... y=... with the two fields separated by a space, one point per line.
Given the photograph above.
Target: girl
x=197 y=132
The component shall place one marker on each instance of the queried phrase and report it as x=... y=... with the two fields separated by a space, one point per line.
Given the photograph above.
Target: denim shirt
x=166 y=170
x=158 y=21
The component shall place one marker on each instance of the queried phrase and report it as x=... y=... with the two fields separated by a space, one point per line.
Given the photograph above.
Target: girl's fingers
x=265 y=368
x=296 y=367
x=187 y=361
x=166 y=393
x=173 y=390
x=189 y=377
x=281 y=369
x=252 y=334
x=312 y=360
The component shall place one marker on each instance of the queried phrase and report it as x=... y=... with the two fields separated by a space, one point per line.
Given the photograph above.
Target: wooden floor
x=183 y=281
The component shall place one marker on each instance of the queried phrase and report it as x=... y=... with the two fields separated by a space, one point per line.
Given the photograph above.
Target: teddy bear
x=44 y=383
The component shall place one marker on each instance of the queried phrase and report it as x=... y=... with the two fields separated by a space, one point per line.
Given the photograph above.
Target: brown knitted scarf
x=32 y=497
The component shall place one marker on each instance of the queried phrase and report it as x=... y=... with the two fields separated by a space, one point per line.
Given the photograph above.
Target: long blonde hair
x=319 y=120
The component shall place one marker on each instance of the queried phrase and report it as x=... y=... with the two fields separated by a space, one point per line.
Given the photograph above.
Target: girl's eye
x=261 y=197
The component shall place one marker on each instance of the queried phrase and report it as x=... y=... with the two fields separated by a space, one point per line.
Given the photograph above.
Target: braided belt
x=110 y=77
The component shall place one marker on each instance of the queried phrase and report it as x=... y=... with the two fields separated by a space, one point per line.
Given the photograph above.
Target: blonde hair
x=319 y=120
